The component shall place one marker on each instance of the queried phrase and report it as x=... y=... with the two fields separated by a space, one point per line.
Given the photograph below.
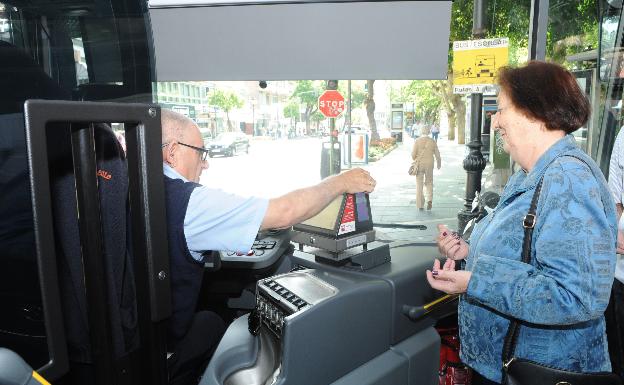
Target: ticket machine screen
x=347 y=215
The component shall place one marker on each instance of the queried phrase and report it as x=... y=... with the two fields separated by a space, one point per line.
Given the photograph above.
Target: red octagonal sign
x=331 y=104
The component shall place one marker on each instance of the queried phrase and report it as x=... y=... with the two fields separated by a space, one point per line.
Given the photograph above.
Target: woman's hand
x=451 y=244
x=448 y=280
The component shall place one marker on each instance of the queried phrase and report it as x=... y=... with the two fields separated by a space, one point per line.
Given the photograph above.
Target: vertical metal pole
x=474 y=163
x=92 y=248
x=538 y=24
x=349 y=124
x=332 y=141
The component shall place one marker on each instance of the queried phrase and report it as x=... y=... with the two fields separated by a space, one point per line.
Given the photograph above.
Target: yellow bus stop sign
x=476 y=63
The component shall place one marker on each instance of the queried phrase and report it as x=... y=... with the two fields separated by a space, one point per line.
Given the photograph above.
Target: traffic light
x=332 y=85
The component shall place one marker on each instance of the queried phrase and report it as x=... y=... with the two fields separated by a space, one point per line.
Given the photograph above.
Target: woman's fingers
x=450 y=282
x=449 y=264
x=447 y=245
x=450 y=244
x=446 y=240
x=454 y=251
x=438 y=283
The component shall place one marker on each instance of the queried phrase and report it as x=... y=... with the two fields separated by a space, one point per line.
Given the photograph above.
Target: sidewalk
x=394 y=199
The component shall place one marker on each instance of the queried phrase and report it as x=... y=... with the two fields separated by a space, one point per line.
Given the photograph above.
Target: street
x=275 y=167
x=272 y=168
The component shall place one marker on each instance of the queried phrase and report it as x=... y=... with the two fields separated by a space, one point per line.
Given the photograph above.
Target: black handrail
x=149 y=236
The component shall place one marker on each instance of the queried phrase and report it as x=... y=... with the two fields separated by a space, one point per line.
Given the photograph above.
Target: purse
x=518 y=371
x=524 y=372
x=413 y=170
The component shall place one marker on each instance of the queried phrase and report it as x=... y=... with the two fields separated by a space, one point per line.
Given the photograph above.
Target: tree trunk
x=229 y=123
x=308 y=114
x=444 y=88
x=370 y=109
x=460 y=118
x=450 y=117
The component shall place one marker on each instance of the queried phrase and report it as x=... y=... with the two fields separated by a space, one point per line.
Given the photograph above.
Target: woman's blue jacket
x=562 y=295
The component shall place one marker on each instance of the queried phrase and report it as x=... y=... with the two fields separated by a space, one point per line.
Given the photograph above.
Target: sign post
x=331 y=104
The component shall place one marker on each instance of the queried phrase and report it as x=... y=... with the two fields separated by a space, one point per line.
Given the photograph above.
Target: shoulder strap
x=529 y=224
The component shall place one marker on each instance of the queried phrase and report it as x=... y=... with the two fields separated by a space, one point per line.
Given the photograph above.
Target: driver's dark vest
x=186 y=272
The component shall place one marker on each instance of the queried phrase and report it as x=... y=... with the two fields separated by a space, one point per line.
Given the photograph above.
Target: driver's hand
x=620 y=242
x=357 y=180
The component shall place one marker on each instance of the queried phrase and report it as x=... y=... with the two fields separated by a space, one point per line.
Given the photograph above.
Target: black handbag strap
x=528 y=223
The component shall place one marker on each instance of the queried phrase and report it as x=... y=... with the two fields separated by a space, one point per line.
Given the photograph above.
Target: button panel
x=258 y=249
x=274 y=303
x=290 y=297
x=271 y=315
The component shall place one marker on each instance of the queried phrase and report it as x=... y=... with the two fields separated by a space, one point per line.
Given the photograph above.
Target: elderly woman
x=423 y=152
x=559 y=296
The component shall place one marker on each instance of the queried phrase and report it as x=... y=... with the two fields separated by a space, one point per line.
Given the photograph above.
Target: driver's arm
x=299 y=205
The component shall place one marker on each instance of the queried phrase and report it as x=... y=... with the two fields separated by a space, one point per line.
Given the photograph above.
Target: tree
x=307 y=92
x=427 y=101
x=573 y=28
x=292 y=111
x=454 y=107
x=369 y=103
x=226 y=101
x=317 y=117
x=357 y=94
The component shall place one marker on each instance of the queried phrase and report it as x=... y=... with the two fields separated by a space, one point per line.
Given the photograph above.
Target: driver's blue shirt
x=217 y=220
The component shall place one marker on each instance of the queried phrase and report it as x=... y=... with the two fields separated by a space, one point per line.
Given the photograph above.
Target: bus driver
x=201 y=219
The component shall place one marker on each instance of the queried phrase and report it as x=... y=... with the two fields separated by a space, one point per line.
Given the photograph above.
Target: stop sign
x=331 y=104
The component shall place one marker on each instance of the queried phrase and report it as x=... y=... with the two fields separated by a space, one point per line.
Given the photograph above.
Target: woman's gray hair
x=425 y=130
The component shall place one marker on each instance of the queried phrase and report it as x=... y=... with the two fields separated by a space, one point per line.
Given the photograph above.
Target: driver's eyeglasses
x=202 y=151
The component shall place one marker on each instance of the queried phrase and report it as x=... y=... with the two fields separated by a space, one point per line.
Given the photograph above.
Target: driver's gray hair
x=174 y=125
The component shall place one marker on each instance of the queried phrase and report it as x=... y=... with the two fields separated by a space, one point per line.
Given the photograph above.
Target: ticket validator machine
x=351 y=311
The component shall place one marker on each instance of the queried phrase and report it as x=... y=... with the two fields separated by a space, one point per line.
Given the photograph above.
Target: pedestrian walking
x=423 y=152
x=435 y=131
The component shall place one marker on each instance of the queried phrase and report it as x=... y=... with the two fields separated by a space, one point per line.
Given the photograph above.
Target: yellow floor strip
x=41 y=380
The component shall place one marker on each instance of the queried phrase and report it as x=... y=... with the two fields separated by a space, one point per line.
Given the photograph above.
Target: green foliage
x=427 y=101
x=225 y=100
x=291 y=110
x=317 y=116
x=307 y=92
x=573 y=28
x=357 y=93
